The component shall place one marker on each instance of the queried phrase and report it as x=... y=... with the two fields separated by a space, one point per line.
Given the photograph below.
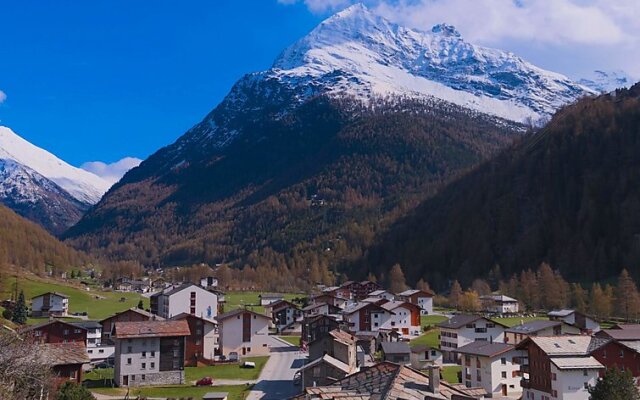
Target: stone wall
x=157 y=378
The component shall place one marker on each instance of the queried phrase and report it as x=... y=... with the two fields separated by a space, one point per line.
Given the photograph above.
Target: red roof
x=125 y=330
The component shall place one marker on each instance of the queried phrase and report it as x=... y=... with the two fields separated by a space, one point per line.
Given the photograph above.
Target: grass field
x=294 y=340
x=81 y=300
x=240 y=299
x=236 y=392
x=432 y=319
x=227 y=371
x=428 y=339
x=450 y=373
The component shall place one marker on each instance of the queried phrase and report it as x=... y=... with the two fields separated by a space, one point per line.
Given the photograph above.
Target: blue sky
x=101 y=80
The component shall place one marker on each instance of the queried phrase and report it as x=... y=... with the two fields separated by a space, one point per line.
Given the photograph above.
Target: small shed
x=397 y=352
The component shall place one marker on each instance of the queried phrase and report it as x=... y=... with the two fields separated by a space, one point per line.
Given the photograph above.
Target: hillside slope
x=24 y=244
x=568 y=195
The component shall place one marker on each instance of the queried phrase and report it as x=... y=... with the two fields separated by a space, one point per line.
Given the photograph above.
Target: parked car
x=206 y=381
x=248 y=364
x=103 y=365
x=233 y=356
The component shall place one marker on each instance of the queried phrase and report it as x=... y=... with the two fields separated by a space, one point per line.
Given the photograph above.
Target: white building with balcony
x=461 y=330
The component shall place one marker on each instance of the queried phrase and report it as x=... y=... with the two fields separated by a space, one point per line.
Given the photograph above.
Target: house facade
x=66 y=360
x=586 y=324
x=559 y=367
x=424 y=356
x=421 y=298
x=620 y=355
x=149 y=352
x=365 y=317
x=402 y=317
x=495 y=367
x=283 y=314
x=518 y=333
x=323 y=371
x=202 y=343
x=461 y=330
x=56 y=331
x=186 y=298
x=244 y=332
x=396 y=352
x=317 y=326
x=96 y=350
x=499 y=304
x=50 y=304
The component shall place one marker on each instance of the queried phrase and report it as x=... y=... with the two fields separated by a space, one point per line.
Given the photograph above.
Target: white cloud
x=569 y=36
x=3 y=96
x=111 y=172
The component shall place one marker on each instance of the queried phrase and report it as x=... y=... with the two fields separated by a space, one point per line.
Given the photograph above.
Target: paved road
x=276 y=379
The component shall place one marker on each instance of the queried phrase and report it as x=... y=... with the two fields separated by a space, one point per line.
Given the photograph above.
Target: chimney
x=434 y=379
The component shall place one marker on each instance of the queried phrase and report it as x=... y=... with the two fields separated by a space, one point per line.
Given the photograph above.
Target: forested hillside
x=300 y=193
x=25 y=244
x=568 y=195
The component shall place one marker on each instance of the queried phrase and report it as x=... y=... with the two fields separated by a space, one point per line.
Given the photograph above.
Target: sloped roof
x=30 y=328
x=342 y=336
x=411 y=292
x=383 y=381
x=460 y=320
x=54 y=293
x=87 y=324
x=499 y=298
x=533 y=326
x=395 y=348
x=237 y=311
x=485 y=349
x=392 y=305
x=565 y=345
x=187 y=315
x=379 y=292
x=328 y=360
x=622 y=334
x=136 y=310
x=141 y=329
x=64 y=353
x=576 y=363
x=360 y=305
x=560 y=313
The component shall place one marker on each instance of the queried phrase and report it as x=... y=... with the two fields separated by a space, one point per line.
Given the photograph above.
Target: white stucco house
x=421 y=298
x=50 y=304
x=244 y=332
x=495 y=367
x=186 y=298
x=499 y=304
x=462 y=329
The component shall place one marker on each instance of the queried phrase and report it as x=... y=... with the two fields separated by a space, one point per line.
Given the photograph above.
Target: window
x=248 y=349
x=143 y=365
x=133 y=377
x=128 y=361
x=153 y=354
x=504 y=374
x=621 y=353
x=176 y=364
x=77 y=331
x=129 y=349
x=585 y=372
x=65 y=332
x=90 y=351
x=72 y=375
x=198 y=342
x=554 y=393
x=100 y=351
x=503 y=361
x=144 y=354
x=586 y=385
x=152 y=365
x=554 y=377
x=198 y=331
x=143 y=377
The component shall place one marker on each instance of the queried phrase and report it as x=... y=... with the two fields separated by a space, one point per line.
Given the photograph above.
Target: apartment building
x=185 y=298
x=462 y=329
x=243 y=332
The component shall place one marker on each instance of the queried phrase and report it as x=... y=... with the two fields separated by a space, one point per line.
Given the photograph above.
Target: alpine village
x=385 y=213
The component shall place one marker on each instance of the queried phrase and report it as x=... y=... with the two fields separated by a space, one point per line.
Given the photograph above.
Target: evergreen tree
x=456 y=293
x=73 y=391
x=20 y=310
x=397 y=281
x=616 y=385
x=579 y=297
x=627 y=299
x=423 y=285
x=73 y=274
x=140 y=305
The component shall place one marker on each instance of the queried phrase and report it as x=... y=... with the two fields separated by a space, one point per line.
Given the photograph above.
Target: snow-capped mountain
x=84 y=186
x=607 y=81
x=362 y=54
x=38 y=198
